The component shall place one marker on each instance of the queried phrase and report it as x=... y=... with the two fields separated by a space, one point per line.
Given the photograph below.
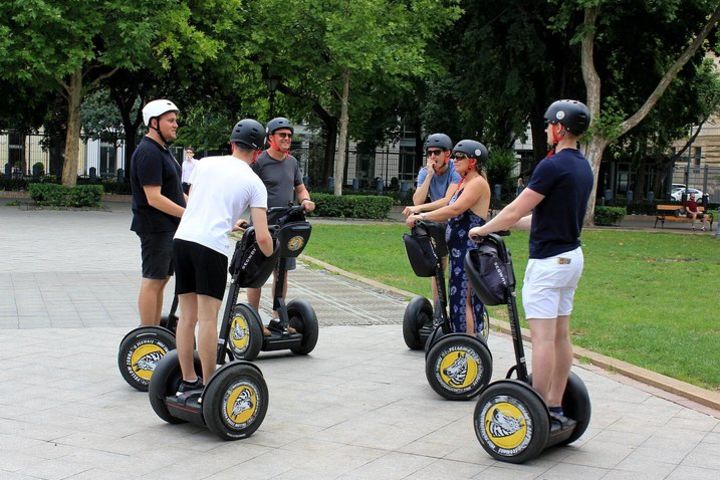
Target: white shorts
x=550 y=283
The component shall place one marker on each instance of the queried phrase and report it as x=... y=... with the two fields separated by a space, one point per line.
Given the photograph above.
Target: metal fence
x=702 y=177
x=19 y=152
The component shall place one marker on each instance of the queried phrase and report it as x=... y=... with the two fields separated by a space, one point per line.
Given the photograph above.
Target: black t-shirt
x=153 y=164
x=566 y=180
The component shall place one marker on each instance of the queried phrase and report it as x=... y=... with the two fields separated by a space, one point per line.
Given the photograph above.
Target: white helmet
x=156 y=108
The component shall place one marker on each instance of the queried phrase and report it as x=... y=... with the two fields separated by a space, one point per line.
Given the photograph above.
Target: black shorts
x=199 y=269
x=156 y=252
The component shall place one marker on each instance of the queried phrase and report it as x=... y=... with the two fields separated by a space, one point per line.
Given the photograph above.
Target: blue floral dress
x=456 y=235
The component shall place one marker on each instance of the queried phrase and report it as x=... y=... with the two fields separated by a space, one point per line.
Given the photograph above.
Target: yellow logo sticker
x=241 y=402
x=295 y=243
x=239 y=334
x=458 y=368
x=145 y=357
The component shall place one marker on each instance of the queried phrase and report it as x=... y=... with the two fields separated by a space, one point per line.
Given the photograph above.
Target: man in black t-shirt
x=158 y=203
x=557 y=195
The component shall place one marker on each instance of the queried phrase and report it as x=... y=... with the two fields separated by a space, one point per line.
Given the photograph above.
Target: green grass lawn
x=651 y=299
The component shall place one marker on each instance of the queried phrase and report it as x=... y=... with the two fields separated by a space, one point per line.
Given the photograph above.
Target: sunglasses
x=284 y=135
x=458 y=157
x=434 y=153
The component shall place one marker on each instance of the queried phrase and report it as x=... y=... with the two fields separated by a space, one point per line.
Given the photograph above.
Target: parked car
x=677 y=193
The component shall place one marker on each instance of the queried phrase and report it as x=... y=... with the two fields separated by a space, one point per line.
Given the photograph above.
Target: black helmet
x=439 y=140
x=472 y=149
x=278 y=123
x=571 y=114
x=248 y=132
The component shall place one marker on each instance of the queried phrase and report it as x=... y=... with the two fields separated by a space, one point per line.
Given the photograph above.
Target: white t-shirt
x=222 y=189
x=187 y=168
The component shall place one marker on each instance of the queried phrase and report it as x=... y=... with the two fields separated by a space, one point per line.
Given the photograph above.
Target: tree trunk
x=72 y=139
x=343 y=141
x=597 y=144
x=331 y=133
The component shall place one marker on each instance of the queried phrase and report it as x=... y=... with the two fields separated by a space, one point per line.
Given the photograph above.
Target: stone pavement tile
x=712 y=438
x=705 y=455
x=639 y=464
x=439 y=468
x=691 y=473
x=564 y=471
x=690 y=420
x=55 y=469
x=9 y=322
x=99 y=474
x=391 y=466
x=30 y=430
x=41 y=450
x=34 y=321
x=502 y=471
x=669 y=450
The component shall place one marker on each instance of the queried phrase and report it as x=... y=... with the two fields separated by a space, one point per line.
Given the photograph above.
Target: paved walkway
x=358 y=407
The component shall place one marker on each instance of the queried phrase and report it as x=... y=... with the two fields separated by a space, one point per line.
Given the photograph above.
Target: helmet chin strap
x=276 y=146
x=157 y=129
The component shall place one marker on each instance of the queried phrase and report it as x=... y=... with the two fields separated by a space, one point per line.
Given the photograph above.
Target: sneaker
x=276 y=326
x=562 y=421
x=187 y=387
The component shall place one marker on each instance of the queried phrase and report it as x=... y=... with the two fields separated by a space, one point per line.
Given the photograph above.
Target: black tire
x=236 y=385
x=458 y=366
x=165 y=381
x=139 y=353
x=511 y=421
x=418 y=314
x=576 y=404
x=303 y=320
x=245 y=335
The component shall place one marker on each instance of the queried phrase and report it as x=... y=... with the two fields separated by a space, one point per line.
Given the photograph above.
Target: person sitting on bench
x=691 y=208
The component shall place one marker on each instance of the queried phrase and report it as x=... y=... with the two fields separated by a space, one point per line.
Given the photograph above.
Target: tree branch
x=102 y=77
x=672 y=72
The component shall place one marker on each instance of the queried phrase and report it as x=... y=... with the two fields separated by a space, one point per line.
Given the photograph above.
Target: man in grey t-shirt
x=280 y=172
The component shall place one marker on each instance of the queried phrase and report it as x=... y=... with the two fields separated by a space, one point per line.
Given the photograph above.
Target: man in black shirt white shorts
x=158 y=203
x=221 y=189
x=557 y=195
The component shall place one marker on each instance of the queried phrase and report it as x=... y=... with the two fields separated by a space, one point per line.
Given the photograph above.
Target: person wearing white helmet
x=158 y=203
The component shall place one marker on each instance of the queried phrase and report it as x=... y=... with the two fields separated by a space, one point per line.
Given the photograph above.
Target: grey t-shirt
x=280 y=178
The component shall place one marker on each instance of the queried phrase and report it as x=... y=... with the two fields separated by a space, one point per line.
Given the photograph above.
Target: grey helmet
x=439 y=140
x=249 y=133
x=278 y=123
x=473 y=149
x=572 y=114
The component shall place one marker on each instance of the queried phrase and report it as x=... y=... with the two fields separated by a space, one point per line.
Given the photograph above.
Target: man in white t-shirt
x=188 y=166
x=221 y=189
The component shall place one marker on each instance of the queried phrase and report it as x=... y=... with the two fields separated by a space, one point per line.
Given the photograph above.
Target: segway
x=512 y=422
x=457 y=365
x=292 y=232
x=143 y=347
x=234 y=402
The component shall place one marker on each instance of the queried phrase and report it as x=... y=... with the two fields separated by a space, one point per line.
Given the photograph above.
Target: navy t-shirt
x=153 y=164
x=566 y=180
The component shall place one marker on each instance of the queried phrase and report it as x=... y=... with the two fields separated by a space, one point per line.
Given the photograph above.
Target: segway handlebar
x=481 y=238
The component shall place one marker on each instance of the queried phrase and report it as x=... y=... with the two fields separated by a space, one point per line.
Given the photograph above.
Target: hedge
x=351 y=206
x=608 y=215
x=60 y=196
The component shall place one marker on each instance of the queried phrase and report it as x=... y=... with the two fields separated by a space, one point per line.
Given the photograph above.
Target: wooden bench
x=676 y=213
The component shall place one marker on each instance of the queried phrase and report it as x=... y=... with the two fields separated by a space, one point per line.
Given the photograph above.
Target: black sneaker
x=561 y=422
x=187 y=387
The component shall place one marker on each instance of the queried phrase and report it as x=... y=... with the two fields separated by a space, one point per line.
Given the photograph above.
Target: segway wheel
x=246 y=335
x=511 y=421
x=165 y=381
x=139 y=353
x=576 y=404
x=235 y=401
x=418 y=314
x=303 y=319
x=458 y=366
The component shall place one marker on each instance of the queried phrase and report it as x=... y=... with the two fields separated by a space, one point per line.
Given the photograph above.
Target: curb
x=699 y=395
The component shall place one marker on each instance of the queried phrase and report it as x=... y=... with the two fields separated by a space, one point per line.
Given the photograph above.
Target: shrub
x=62 y=196
x=608 y=215
x=352 y=206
